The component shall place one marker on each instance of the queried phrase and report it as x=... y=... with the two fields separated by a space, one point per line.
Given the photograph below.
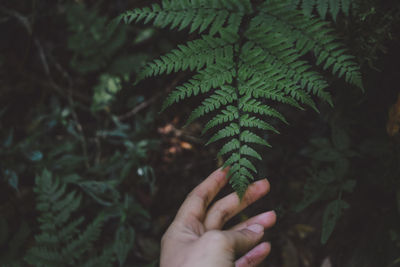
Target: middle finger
x=227 y=207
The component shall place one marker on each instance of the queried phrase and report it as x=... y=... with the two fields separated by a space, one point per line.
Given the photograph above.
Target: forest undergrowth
x=92 y=174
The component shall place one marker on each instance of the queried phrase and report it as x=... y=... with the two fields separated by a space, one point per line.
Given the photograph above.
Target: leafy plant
x=12 y=244
x=248 y=57
x=91 y=36
x=325 y=6
x=98 y=160
x=60 y=243
x=330 y=177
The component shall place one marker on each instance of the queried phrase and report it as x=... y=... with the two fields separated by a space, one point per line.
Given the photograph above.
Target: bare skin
x=196 y=239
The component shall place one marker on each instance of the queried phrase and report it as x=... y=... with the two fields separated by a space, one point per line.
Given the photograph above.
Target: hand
x=196 y=239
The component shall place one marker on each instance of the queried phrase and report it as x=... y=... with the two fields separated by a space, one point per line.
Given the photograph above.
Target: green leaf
x=334 y=6
x=12 y=178
x=124 y=240
x=349 y=185
x=340 y=138
x=35 y=155
x=331 y=215
x=322 y=7
x=9 y=140
x=242 y=69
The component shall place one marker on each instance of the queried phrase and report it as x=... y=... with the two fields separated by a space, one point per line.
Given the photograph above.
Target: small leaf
x=124 y=240
x=349 y=185
x=331 y=215
x=12 y=178
x=9 y=140
x=104 y=193
x=340 y=138
x=144 y=35
x=35 y=155
x=326 y=154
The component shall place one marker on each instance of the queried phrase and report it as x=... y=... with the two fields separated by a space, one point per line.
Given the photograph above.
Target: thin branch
x=147 y=103
x=21 y=18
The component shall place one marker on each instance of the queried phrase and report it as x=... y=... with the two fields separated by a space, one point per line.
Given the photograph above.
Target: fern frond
x=232 y=145
x=252 y=105
x=248 y=121
x=325 y=6
x=105 y=259
x=309 y=34
x=228 y=131
x=225 y=95
x=210 y=78
x=193 y=56
x=246 y=150
x=84 y=241
x=251 y=56
x=250 y=137
x=227 y=115
x=282 y=56
x=60 y=242
x=199 y=15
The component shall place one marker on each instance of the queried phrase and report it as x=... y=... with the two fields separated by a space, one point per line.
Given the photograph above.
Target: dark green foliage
x=66 y=106
x=62 y=123
x=14 y=242
x=90 y=35
x=61 y=242
x=330 y=176
x=324 y=7
x=242 y=65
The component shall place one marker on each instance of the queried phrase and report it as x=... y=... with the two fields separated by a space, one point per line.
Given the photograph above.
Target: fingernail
x=256 y=228
x=269 y=215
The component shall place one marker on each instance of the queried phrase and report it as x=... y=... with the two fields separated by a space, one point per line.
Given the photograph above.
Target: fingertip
x=219 y=175
x=263 y=186
x=261 y=251
x=255 y=256
x=266 y=219
x=265 y=248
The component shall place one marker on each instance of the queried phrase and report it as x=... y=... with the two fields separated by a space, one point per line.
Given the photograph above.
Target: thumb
x=245 y=239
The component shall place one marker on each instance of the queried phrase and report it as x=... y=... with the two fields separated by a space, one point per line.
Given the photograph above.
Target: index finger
x=197 y=201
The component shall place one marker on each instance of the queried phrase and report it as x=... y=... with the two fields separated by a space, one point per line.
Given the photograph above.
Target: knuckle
x=215 y=237
x=248 y=198
x=222 y=214
x=250 y=261
x=201 y=195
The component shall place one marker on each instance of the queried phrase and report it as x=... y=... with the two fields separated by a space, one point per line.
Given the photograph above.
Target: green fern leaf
x=308 y=6
x=251 y=56
x=232 y=145
x=334 y=7
x=322 y=7
x=60 y=242
x=229 y=114
x=246 y=150
x=249 y=137
x=331 y=215
x=228 y=131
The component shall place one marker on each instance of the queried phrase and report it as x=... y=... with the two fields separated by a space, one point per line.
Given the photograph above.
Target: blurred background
x=85 y=154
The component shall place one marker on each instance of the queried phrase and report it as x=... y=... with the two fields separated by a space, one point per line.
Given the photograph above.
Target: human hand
x=196 y=239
